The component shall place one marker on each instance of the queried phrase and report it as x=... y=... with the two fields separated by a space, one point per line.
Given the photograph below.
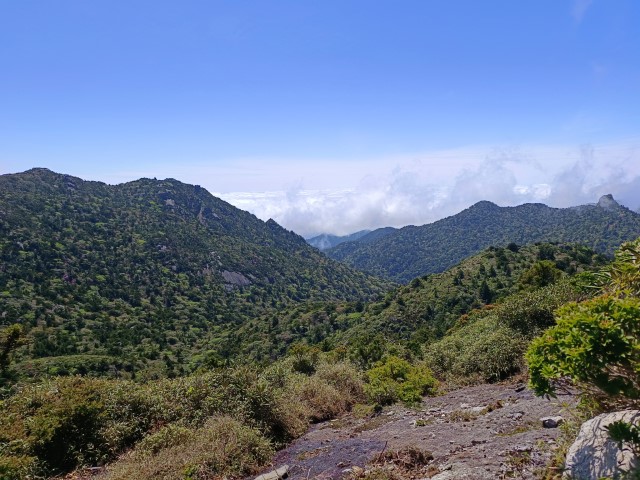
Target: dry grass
x=222 y=447
x=323 y=400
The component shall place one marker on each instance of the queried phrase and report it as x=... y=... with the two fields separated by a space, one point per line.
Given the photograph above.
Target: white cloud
x=423 y=188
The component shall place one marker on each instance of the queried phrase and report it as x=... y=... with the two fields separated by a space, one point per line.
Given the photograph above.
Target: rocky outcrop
x=608 y=202
x=235 y=278
x=594 y=455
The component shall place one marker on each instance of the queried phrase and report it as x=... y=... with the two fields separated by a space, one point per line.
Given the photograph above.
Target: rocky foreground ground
x=481 y=432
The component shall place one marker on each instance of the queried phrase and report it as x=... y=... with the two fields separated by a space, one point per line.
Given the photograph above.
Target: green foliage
x=151 y=273
x=483 y=351
x=367 y=349
x=529 y=312
x=623 y=276
x=596 y=343
x=623 y=432
x=411 y=252
x=394 y=379
x=540 y=275
x=11 y=338
x=18 y=467
x=433 y=304
x=66 y=422
x=167 y=436
x=305 y=358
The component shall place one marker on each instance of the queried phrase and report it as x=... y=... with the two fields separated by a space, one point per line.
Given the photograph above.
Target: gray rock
x=594 y=455
x=607 y=202
x=277 y=474
x=552 y=422
x=235 y=278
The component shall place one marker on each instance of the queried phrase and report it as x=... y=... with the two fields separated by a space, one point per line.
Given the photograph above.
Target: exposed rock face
x=594 y=455
x=235 y=278
x=607 y=202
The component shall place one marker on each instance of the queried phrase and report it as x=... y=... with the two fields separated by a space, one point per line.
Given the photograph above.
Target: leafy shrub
x=168 y=436
x=540 y=275
x=305 y=358
x=66 y=422
x=60 y=421
x=596 y=343
x=18 y=467
x=395 y=379
x=483 y=351
x=530 y=312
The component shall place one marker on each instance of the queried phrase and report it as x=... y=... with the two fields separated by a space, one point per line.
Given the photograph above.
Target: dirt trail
x=481 y=432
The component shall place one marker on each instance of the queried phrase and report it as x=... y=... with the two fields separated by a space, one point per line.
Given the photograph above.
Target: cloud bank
x=423 y=188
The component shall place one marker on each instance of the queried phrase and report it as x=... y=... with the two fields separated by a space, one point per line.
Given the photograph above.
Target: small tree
x=11 y=338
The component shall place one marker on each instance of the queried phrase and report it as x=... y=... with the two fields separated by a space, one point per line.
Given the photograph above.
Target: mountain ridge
x=413 y=251
x=148 y=269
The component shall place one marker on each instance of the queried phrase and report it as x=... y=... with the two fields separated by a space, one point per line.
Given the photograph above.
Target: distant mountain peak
x=484 y=204
x=607 y=202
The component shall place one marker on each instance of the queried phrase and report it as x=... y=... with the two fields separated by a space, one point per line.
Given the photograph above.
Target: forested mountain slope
x=326 y=241
x=148 y=269
x=423 y=310
x=412 y=251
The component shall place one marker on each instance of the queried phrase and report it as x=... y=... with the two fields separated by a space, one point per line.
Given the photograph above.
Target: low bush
x=394 y=379
x=59 y=424
x=531 y=312
x=345 y=377
x=223 y=446
x=484 y=351
x=322 y=400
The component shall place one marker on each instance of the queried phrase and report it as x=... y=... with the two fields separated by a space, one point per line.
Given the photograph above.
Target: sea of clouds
x=419 y=189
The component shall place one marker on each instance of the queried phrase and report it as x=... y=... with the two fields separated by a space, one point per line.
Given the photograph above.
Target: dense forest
x=144 y=274
x=411 y=252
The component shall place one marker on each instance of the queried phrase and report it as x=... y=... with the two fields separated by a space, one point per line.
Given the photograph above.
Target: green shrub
x=540 y=275
x=323 y=401
x=18 y=467
x=59 y=422
x=595 y=343
x=394 y=379
x=531 y=312
x=68 y=422
x=305 y=358
x=168 y=436
x=483 y=351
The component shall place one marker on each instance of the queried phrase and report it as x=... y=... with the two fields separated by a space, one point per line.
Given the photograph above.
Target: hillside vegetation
x=157 y=330
x=411 y=252
x=423 y=310
x=145 y=274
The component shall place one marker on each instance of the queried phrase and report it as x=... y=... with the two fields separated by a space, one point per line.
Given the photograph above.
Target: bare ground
x=480 y=432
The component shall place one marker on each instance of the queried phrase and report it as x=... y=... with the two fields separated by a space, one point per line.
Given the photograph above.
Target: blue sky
x=330 y=115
